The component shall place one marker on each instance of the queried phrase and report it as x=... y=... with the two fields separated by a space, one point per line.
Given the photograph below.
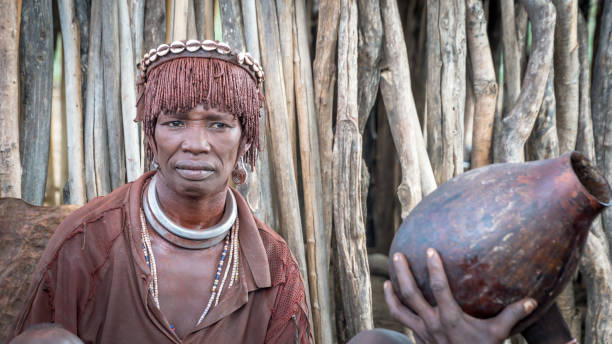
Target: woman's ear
x=242 y=149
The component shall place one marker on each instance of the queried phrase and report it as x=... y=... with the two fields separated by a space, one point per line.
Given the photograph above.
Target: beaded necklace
x=231 y=242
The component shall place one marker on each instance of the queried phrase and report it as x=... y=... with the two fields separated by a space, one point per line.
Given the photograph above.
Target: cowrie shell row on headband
x=193 y=45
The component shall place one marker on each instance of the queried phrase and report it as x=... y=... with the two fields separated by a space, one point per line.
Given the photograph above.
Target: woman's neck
x=190 y=212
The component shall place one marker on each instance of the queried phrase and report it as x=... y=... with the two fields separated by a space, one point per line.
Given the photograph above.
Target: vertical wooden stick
x=484 y=83
x=285 y=13
x=317 y=252
x=354 y=279
x=180 y=13
x=446 y=58
x=512 y=64
x=231 y=19
x=249 y=17
x=369 y=56
x=566 y=73
x=36 y=86
x=74 y=107
x=112 y=88
x=154 y=25
x=517 y=125
x=138 y=19
x=10 y=163
x=289 y=208
x=401 y=110
x=128 y=95
x=324 y=76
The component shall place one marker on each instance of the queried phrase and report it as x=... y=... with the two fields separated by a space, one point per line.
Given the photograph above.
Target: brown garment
x=93 y=279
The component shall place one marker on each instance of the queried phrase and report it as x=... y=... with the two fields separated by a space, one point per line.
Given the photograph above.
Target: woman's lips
x=194 y=170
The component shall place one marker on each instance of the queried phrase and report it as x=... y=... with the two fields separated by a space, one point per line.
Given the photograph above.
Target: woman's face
x=197 y=151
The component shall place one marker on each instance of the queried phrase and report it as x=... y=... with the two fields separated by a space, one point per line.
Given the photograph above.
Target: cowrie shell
x=241 y=57
x=223 y=48
x=153 y=58
x=177 y=47
x=163 y=49
x=193 y=45
x=209 y=45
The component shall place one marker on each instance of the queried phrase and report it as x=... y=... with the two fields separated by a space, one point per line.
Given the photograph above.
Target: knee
x=381 y=336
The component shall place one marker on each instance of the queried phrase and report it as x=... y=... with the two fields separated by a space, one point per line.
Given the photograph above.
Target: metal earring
x=154 y=164
x=239 y=173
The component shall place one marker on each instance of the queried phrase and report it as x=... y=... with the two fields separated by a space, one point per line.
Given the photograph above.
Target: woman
x=177 y=256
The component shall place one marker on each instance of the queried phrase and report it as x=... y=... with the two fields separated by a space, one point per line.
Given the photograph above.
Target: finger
x=450 y=312
x=511 y=315
x=400 y=312
x=408 y=289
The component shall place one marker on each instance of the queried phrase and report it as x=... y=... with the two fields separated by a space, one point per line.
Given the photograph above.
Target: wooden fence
x=372 y=104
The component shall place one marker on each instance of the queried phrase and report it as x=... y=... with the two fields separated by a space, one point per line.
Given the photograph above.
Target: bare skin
x=196 y=152
x=446 y=323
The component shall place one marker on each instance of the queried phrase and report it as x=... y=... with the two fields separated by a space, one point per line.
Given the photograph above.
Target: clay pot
x=505 y=232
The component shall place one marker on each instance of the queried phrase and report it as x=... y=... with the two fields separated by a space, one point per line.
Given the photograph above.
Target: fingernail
x=529 y=305
x=386 y=285
x=396 y=257
x=430 y=252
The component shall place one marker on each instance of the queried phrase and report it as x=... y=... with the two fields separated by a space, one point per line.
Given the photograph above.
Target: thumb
x=514 y=313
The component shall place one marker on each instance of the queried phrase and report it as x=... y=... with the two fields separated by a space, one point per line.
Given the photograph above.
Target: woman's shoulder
x=281 y=260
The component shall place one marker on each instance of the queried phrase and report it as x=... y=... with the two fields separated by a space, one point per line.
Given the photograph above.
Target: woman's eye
x=219 y=125
x=174 y=124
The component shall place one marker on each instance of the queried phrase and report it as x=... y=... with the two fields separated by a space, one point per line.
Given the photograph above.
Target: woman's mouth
x=194 y=170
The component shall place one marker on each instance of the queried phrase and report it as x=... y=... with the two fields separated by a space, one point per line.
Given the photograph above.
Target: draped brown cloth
x=93 y=279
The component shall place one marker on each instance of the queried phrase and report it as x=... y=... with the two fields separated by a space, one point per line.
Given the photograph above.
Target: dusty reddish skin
x=504 y=232
x=205 y=137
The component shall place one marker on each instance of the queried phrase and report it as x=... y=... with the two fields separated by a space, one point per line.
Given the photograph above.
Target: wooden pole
x=138 y=19
x=369 y=56
x=180 y=13
x=517 y=125
x=566 y=73
x=324 y=82
x=95 y=38
x=249 y=17
x=112 y=96
x=36 y=86
x=316 y=244
x=354 y=279
x=154 y=24
x=128 y=95
x=192 y=32
x=285 y=12
x=543 y=143
x=74 y=107
x=400 y=107
x=484 y=83
x=446 y=61
x=601 y=104
x=231 y=21
x=289 y=208
x=512 y=63
x=10 y=163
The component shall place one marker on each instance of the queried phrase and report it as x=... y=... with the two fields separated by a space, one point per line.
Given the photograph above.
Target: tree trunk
x=74 y=107
x=601 y=104
x=566 y=73
x=517 y=125
x=289 y=208
x=484 y=84
x=36 y=86
x=10 y=163
x=445 y=86
x=352 y=259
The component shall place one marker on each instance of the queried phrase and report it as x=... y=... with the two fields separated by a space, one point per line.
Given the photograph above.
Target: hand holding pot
x=446 y=323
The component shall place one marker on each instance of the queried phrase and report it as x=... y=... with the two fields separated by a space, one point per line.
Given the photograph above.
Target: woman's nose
x=196 y=140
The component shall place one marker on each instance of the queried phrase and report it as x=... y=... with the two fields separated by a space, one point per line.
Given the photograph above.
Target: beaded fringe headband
x=176 y=77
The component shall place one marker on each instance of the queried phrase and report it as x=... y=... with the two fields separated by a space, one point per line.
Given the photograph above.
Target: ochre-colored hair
x=180 y=84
